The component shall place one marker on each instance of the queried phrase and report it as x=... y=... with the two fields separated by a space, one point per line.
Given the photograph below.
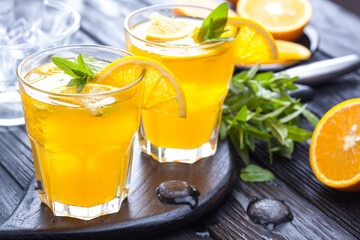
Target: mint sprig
x=258 y=107
x=79 y=70
x=214 y=25
x=254 y=173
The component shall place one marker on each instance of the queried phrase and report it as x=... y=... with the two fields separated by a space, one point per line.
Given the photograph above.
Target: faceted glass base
x=84 y=213
x=167 y=155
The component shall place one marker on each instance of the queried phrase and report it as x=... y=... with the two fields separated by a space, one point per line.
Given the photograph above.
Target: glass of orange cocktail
x=82 y=143
x=204 y=73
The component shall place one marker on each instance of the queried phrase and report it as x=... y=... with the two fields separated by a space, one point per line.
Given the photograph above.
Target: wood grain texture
x=338 y=28
x=11 y=148
x=14 y=174
x=230 y=219
x=352 y=6
x=10 y=194
x=142 y=213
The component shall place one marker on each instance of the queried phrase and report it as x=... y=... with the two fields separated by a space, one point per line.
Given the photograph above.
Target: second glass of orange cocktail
x=203 y=71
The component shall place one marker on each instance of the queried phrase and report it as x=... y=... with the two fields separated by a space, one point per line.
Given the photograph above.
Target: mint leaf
x=250 y=74
x=94 y=64
x=214 y=24
x=81 y=86
x=279 y=131
x=241 y=115
x=274 y=113
x=74 y=82
x=224 y=39
x=254 y=173
x=298 y=134
x=310 y=117
x=81 y=63
x=68 y=67
x=293 y=115
x=258 y=134
x=223 y=129
x=79 y=70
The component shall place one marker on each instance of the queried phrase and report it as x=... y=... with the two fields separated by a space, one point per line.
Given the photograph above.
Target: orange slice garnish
x=162 y=94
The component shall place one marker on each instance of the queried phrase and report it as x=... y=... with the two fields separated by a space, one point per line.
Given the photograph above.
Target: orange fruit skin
x=233 y=1
x=354 y=186
x=289 y=52
x=282 y=34
x=289 y=36
x=260 y=45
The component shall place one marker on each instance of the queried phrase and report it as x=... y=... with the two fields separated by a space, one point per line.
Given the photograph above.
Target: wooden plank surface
x=319 y=212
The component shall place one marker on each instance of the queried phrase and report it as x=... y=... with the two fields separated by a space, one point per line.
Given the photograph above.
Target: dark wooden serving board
x=141 y=213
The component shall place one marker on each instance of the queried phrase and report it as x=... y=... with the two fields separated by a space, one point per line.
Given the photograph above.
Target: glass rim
x=127 y=29
x=117 y=90
x=70 y=30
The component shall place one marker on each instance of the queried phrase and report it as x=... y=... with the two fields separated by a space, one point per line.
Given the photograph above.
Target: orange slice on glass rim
x=253 y=42
x=162 y=93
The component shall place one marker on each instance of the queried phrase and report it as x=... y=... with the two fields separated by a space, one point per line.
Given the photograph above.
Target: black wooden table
x=319 y=212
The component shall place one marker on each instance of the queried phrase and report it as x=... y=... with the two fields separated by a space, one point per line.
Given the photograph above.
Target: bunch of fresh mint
x=214 y=25
x=259 y=107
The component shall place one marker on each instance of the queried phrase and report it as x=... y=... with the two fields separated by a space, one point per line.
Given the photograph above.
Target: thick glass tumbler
x=82 y=143
x=204 y=72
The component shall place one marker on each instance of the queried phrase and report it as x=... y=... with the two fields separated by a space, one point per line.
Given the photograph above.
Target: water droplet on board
x=178 y=192
x=269 y=212
x=203 y=234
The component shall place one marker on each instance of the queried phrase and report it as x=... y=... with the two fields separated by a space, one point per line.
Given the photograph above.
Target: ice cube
x=101 y=102
x=21 y=32
x=18 y=28
x=99 y=107
x=269 y=211
x=4 y=38
x=7 y=14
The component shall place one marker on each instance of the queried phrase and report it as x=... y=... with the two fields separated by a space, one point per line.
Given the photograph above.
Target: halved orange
x=335 y=147
x=284 y=19
x=198 y=13
x=162 y=90
x=292 y=51
x=288 y=52
x=253 y=43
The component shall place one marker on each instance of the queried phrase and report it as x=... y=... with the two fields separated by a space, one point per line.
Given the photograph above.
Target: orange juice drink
x=82 y=143
x=204 y=72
